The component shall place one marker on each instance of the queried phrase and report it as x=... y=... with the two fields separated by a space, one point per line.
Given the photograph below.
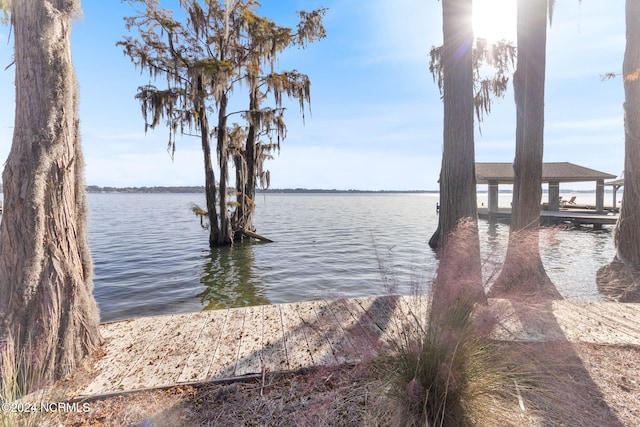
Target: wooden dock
x=159 y=351
x=564 y=216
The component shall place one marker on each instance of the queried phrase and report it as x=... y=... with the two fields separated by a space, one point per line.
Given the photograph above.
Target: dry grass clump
x=15 y=382
x=441 y=368
x=443 y=371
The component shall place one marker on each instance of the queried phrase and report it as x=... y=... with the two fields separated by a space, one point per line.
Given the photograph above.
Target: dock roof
x=616 y=182
x=551 y=172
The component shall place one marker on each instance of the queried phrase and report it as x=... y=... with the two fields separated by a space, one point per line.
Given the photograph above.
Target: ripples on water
x=151 y=255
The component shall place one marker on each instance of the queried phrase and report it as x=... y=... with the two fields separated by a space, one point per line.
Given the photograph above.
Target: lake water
x=151 y=254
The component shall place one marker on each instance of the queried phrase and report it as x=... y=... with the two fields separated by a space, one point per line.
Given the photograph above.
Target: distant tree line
x=353 y=191
x=155 y=189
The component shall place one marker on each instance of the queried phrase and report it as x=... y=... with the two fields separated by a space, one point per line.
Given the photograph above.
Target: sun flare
x=494 y=19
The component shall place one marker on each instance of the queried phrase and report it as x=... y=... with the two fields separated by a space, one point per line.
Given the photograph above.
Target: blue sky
x=376 y=119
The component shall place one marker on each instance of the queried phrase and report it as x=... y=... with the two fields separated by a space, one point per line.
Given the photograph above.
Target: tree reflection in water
x=229 y=280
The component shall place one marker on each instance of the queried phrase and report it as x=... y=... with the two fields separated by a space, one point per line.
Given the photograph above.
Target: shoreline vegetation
x=200 y=189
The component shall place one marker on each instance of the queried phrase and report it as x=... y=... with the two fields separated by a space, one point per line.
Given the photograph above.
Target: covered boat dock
x=553 y=174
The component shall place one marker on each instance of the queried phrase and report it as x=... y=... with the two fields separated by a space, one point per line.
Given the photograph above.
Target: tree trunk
x=457 y=175
x=209 y=179
x=48 y=316
x=628 y=227
x=620 y=280
x=523 y=272
x=251 y=159
x=246 y=168
x=239 y=213
x=245 y=186
x=458 y=201
x=225 y=236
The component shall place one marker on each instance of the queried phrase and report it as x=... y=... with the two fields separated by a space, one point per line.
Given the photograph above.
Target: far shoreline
x=200 y=189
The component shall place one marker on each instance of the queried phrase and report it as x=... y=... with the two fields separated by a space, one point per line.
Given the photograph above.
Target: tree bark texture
x=620 y=280
x=458 y=201
x=523 y=272
x=48 y=316
x=209 y=178
x=246 y=169
x=225 y=236
x=251 y=159
x=628 y=227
